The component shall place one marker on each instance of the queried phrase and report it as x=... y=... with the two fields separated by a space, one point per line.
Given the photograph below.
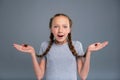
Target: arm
x=84 y=63
x=39 y=68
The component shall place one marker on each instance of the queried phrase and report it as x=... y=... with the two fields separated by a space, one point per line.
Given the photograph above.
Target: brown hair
x=72 y=49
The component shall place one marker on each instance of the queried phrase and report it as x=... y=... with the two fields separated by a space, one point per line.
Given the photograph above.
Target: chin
x=61 y=41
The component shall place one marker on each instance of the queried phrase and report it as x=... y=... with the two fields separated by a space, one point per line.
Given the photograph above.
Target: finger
x=18 y=47
x=105 y=43
x=15 y=44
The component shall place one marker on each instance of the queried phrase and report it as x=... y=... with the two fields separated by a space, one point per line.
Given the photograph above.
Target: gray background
x=26 y=21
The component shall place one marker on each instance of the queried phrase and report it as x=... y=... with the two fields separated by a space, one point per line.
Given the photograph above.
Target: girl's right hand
x=24 y=48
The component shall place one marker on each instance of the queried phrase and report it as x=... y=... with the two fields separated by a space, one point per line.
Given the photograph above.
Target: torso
x=61 y=64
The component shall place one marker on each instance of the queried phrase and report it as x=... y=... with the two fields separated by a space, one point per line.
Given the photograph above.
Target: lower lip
x=60 y=37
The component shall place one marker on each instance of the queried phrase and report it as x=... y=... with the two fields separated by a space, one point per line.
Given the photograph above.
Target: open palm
x=97 y=46
x=22 y=48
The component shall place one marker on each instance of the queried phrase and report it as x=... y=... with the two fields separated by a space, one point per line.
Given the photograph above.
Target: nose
x=60 y=29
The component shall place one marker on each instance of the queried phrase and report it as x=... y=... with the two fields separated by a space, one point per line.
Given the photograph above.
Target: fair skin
x=60 y=29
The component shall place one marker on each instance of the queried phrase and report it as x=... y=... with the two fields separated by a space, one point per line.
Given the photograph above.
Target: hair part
x=57 y=15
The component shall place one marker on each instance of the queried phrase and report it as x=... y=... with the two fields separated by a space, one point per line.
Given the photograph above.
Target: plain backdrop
x=27 y=21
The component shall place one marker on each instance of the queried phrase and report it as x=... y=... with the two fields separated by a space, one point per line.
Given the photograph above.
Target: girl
x=60 y=57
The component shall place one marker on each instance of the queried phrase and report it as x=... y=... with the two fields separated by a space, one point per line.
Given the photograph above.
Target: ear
x=69 y=30
x=51 y=30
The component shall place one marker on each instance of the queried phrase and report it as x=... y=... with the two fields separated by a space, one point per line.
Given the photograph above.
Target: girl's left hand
x=97 y=46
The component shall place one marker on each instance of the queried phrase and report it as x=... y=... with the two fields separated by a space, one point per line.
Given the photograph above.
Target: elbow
x=39 y=78
x=83 y=78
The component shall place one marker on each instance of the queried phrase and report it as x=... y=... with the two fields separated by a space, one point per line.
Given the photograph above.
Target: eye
x=55 y=26
x=65 y=26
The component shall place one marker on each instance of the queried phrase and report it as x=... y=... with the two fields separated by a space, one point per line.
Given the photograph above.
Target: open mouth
x=60 y=35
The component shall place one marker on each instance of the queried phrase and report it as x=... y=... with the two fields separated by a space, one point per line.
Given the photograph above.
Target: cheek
x=68 y=31
x=54 y=31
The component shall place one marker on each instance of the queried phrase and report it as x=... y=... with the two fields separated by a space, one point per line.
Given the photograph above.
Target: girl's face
x=60 y=28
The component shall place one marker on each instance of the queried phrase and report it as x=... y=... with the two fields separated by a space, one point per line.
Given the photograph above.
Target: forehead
x=60 y=19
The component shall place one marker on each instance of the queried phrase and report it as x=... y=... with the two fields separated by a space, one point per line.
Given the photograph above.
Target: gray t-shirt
x=60 y=62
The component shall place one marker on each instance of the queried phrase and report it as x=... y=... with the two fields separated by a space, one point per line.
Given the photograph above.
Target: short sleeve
x=43 y=47
x=79 y=48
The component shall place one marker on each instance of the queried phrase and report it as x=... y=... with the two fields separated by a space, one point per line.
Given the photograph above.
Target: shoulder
x=78 y=46
x=44 y=44
x=77 y=43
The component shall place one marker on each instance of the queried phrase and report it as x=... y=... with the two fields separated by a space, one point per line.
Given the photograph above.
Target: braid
x=72 y=48
x=49 y=46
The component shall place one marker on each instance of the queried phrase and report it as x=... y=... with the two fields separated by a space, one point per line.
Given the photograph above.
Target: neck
x=60 y=43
